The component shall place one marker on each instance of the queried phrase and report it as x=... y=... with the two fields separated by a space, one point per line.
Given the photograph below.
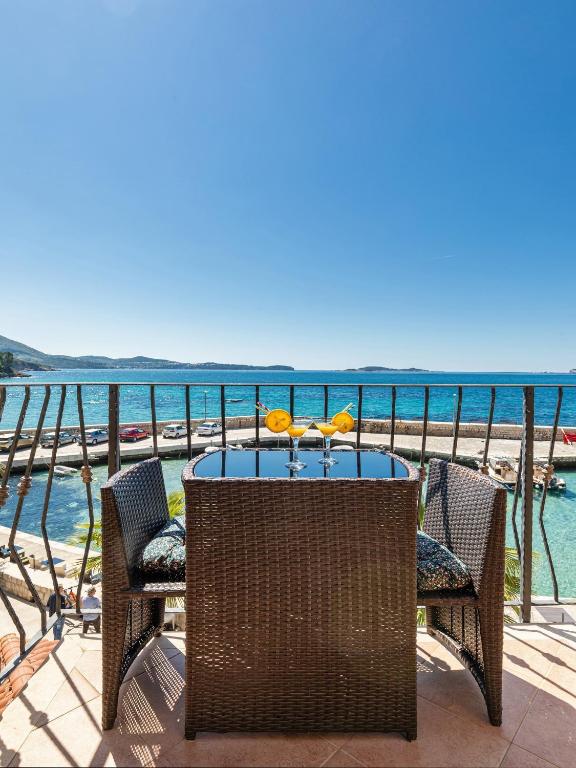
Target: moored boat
x=555 y=483
x=503 y=470
x=63 y=471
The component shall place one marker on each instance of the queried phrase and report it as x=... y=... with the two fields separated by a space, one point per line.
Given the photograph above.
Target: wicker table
x=300 y=593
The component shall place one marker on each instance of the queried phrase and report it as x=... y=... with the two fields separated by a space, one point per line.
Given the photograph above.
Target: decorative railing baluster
x=549 y=473
x=257 y=415
x=22 y=491
x=4 y=492
x=188 y=428
x=114 y=459
x=392 y=419
x=359 y=418
x=86 y=473
x=154 y=424
x=423 y=444
x=10 y=460
x=484 y=467
x=517 y=494
x=527 y=504
x=48 y=493
x=457 y=425
x=223 y=413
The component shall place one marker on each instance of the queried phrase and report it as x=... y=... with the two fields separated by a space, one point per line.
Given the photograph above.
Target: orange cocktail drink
x=296 y=431
x=279 y=420
x=327 y=429
x=297 y=428
x=342 y=422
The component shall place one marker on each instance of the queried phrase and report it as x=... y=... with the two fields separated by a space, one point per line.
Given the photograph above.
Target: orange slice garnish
x=278 y=420
x=344 y=422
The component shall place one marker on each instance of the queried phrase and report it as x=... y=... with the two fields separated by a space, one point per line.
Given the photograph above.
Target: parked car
x=64 y=438
x=209 y=428
x=174 y=430
x=24 y=441
x=132 y=434
x=95 y=436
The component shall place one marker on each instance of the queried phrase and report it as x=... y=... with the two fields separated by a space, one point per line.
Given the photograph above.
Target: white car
x=209 y=428
x=174 y=430
x=94 y=436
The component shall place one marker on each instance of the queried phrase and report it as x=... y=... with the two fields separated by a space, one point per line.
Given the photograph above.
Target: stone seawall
x=11 y=578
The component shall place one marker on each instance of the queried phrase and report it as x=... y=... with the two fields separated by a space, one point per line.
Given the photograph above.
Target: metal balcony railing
x=56 y=400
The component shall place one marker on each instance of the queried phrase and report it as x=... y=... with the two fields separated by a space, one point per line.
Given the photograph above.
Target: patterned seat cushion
x=164 y=558
x=438 y=568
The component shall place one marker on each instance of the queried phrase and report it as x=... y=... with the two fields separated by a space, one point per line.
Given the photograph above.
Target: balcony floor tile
x=516 y=757
x=56 y=721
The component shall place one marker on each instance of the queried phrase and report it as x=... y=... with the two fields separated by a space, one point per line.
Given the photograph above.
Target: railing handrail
x=252 y=384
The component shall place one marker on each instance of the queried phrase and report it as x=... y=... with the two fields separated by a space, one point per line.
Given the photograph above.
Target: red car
x=132 y=434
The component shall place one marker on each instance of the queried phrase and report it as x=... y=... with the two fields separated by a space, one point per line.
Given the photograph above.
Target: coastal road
x=469 y=448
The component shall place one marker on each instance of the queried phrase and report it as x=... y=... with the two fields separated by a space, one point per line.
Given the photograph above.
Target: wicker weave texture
x=466 y=511
x=134 y=508
x=301 y=604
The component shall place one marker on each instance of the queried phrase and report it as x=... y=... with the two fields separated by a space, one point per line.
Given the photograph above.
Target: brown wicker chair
x=134 y=508
x=466 y=511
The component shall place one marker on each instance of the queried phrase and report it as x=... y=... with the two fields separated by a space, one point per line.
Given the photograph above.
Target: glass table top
x=269 y=463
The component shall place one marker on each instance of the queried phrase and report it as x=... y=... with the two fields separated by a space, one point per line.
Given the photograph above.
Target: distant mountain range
x=28 y=358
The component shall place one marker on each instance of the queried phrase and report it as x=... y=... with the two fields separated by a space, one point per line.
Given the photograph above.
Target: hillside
x=381 y=368
x=28 y=357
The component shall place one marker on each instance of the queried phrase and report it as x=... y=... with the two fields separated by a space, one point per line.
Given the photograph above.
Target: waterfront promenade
x=469 y=450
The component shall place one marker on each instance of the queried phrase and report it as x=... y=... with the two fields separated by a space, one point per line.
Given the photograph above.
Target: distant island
x=16 y=357
x=380 y=368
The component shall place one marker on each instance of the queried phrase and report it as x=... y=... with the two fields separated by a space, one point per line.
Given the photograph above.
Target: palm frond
x=92 y=564
x=80 y=537
x=176 y=503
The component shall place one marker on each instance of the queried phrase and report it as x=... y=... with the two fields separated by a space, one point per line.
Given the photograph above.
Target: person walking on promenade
x=51 y=605
x=90 y=601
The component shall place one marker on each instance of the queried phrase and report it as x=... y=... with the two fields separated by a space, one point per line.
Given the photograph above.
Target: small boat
x=63 y=471
x=235 y=400
x=539 y=478
x=504 y=471
x=557 y=483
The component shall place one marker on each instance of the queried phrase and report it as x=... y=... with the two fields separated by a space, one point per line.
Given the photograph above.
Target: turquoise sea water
x=170 y=404
x=68 y=507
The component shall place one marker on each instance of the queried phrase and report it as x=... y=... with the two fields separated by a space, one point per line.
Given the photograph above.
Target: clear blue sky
x=319 y=183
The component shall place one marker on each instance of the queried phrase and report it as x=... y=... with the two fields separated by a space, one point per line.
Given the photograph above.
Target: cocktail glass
x=296 y=429
x=327 y=429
